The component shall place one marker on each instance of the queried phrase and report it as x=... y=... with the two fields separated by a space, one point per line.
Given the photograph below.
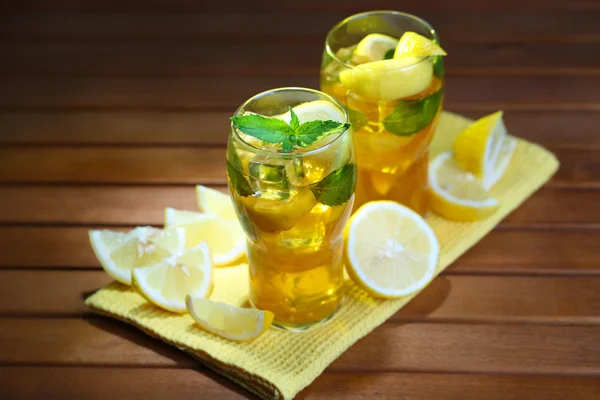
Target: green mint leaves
x=234 y=168
x=276 y=131
x=412 y=116
x=389 y=54
x=336 y=188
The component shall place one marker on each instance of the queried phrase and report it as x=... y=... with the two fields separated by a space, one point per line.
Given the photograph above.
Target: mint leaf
x=389 y=54
x=271 y=130
x=438 y=66
x=357 y=119
x=336 y=188
x=311 y=131
x=294 y=121
x=234 y=167
x=412 y=116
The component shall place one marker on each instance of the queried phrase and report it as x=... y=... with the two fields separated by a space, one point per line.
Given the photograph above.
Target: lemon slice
x=229 y=322
x=457 y=194
x=119 y=252
x=389 y=79
x=314 y=110
x=212 y=201
x=502 y=161
x=375 y=45
x=224 y=237
x=167 y=283
x=411 y=44
x=278 y=215
x=390 y=250
x=476 y=149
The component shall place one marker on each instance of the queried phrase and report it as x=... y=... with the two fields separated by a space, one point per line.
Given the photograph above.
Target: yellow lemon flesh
x=227 y=321
x=212 y=201
x=390 y=251
x=374 y=46
x=411 y=44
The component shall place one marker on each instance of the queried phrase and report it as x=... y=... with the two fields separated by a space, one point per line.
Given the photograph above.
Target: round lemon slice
x=167 y=283
x=411 y=44
x=119 y=252
x=227 y=321
x=212 y=201
x=224 y=237
x=375 y=45
x=390 y=250
x=314 y=110
x=457 y=194
x=389 y=79
x=478 y=147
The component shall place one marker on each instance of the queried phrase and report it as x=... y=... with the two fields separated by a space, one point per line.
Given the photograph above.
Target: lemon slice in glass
x=480 y=149
x=224 y=237
x=375 y=45
x=390 y=250
x=227 y=321
x=411 y=44
x=457 y=194
x=167 y=283
x=119 y=252
x=212 y=201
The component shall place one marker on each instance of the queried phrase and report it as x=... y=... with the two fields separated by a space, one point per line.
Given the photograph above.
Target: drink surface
x=293 y=207
x=393 y=107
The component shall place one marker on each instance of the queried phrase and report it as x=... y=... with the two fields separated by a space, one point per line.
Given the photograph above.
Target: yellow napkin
x=279 y=364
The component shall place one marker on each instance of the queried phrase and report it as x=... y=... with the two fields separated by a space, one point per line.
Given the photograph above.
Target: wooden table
x=112 y=110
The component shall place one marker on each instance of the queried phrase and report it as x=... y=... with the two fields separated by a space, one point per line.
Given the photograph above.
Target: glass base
x=291 y=327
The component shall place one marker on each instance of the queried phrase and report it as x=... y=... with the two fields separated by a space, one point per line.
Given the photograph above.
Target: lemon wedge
x=119 y=252
x=167 y=283
x=227 y=321
x=502 y=161
x=390 y=250
x=389 y=79
x=411 y=44
x=478 y=147
x=375 y=45
x=457 y=194
x=224 y=237
x=212 y=201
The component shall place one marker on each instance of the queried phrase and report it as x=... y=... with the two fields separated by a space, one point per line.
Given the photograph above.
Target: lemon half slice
x=375 y=45
x=457 y=194
x=411 y=44
x=390 y=250
x=119 y=252
x=224 y=237
x=212 y=201
x=229 y=322
x=167 y=283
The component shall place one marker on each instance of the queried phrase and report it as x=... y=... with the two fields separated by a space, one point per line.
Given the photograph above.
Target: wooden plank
x=227 y=93
x=161 y=383
x=525 y=349
x=274 y=27
x=232 y=60
x=348 y=6
x=144 y=205
x=552 y=300
x=188 y=165
x=567 y=129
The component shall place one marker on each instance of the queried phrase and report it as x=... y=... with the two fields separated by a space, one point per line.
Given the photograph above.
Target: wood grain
x=491 y=299
x=534 y=349
x=256 y=27
x=158 y=383
x=189 y=165
x=293 y=59
x=227 y=93
x=567 y=129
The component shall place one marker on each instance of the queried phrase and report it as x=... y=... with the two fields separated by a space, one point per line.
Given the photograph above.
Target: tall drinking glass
x=293 y=207
x=393 y=106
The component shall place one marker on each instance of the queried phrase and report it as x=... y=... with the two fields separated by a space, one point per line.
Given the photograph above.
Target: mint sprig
x=412 y=116
x=337 y=187
x=389 y=54
x=234 y=171
x=294 y=134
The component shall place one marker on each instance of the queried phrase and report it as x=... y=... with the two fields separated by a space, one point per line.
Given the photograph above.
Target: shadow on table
x=180 y=359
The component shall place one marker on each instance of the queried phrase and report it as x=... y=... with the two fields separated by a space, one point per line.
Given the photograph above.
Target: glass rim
x=294 y=153
x=371 y=13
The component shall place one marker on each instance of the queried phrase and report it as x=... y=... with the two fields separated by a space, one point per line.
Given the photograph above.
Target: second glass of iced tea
x=393 y=109
x=293 y=205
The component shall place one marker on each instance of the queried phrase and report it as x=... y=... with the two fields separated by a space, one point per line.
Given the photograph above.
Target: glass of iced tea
x=393 y=103
x=292 y=174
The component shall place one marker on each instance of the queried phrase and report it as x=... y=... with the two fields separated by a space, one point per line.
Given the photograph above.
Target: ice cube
x=269 y=177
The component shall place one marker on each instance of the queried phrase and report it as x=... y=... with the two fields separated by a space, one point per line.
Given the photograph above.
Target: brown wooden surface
x=112 y=110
